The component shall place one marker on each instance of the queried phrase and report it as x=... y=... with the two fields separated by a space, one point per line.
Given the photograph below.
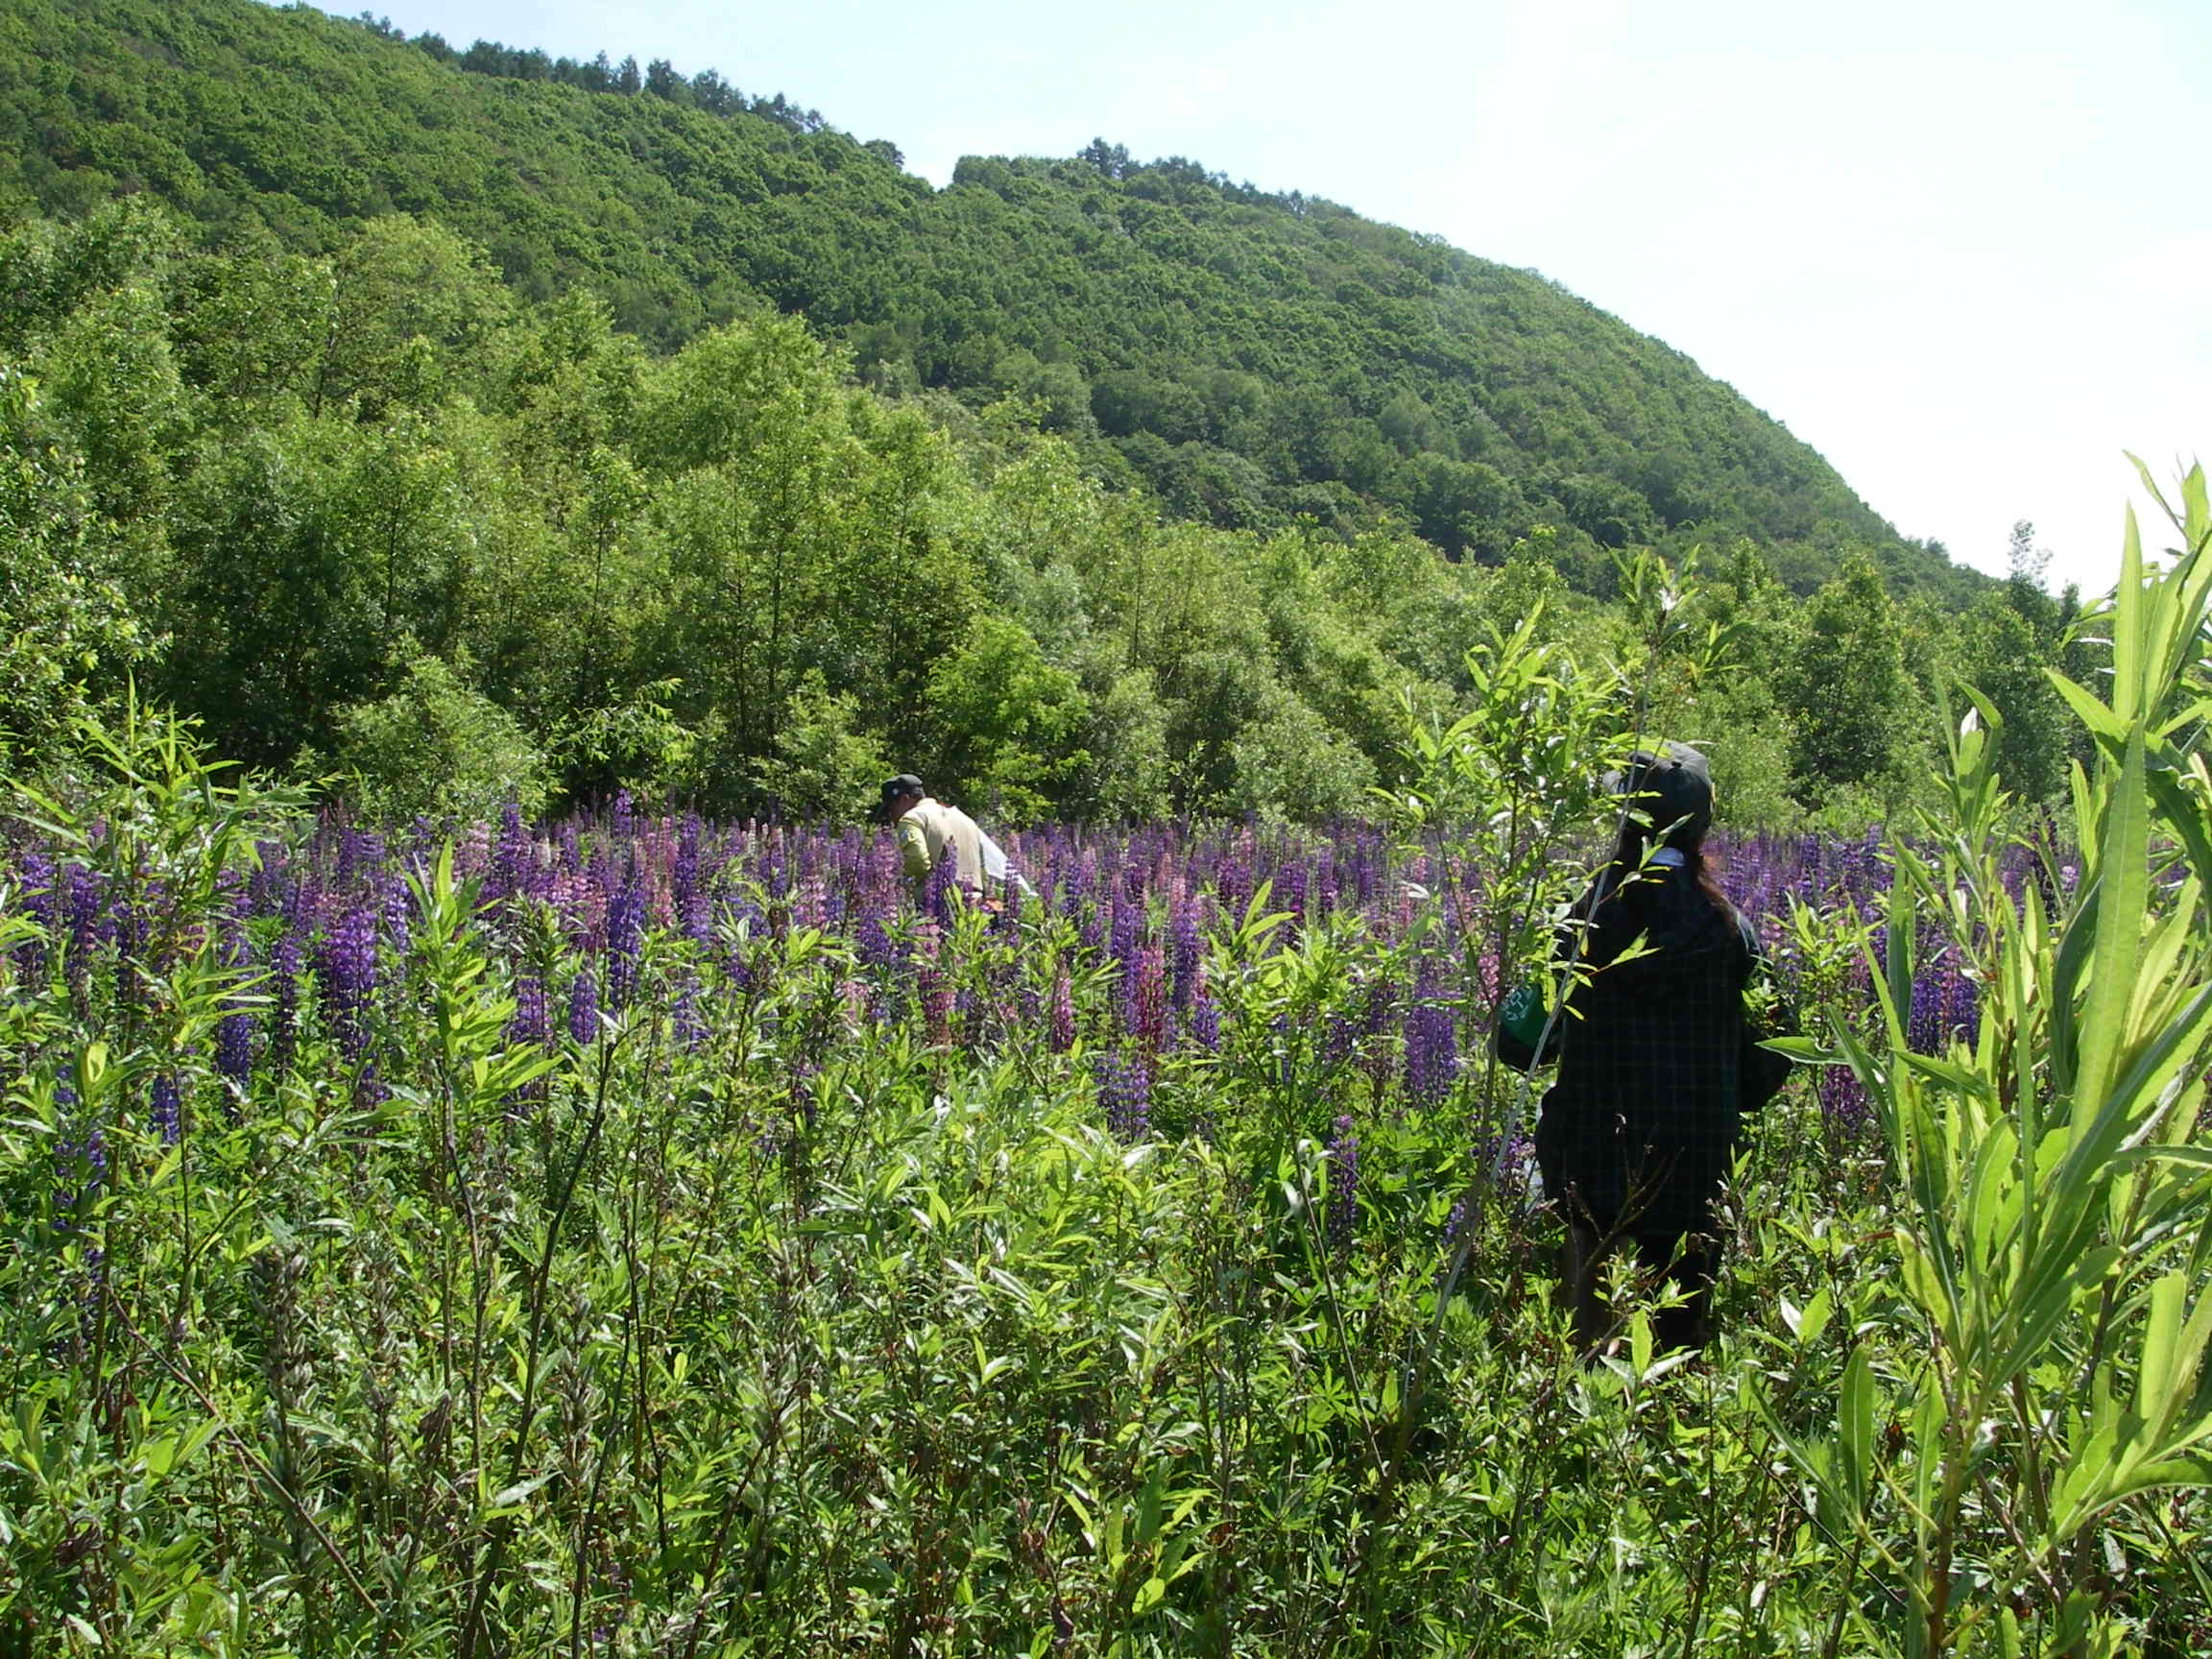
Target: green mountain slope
x=1251 y=357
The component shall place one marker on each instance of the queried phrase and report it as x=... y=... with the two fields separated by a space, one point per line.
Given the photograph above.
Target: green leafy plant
x=2049 y=1219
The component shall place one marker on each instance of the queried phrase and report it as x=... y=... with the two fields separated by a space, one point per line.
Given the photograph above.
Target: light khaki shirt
x=926 y=829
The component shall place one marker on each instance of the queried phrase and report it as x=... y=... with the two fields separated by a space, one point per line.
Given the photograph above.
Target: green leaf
x=2159 y=1371
x=513 y=1498
x=1855 y=1423
x=2106 y=727
x=2126 y=881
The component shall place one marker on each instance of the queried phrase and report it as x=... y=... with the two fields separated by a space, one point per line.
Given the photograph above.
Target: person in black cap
x=926 y=828
x=1657 y=1061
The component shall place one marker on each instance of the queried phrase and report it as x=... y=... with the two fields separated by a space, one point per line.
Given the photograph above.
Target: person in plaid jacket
x=1657 y=1062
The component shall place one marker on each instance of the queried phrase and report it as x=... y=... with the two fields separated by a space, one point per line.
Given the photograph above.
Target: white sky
x=1957 y=246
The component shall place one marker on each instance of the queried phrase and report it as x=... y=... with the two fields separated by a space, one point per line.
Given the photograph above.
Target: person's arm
x=913 y=849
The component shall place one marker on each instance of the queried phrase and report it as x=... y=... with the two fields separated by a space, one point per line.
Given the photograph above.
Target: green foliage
x=276 y=615
x=1250 y=355
x=1131 y=775
x=1291 y=766
x=2054 y=1314
x=637 y=744
x=1846 y=690
x=410 y=303
x=1008 y=720
x=822 y=766
x=2012 y=641
x=801 y=1302
x=440 y=349
x=436 y=749
x=65 y=631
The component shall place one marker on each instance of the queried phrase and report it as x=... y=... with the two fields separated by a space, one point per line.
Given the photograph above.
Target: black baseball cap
x=906 y=784
x=1673 y=788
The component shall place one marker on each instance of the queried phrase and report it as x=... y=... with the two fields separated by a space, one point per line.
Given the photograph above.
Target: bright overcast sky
x=1957 y=246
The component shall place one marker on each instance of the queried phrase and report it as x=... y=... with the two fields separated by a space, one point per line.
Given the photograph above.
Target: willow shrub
x=2010 y=1427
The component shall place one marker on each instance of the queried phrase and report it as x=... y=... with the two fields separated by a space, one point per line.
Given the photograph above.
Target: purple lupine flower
x=1235 y=885
x=265 y=884
x=285 y=963
x=1060 y=1022
x=937 y=893
x=88 y=924
x=620 y=821
x=43 y=904
x=1124 y=1085
x=1843 y=1105
x=1206 y=1024
x=1128 y=919
x=1288 y=894
x=687 y=893
x=165 y=1108
x=510 y=857
x=683 y=1015
x=872 y=943
x=809 y=903
x=1075 y=885
x=300 y=901
x=1377 y=1013
x=937 y=1002
x=1343 y=1207
x=625 y=939
x=1432 y=1051
x=1124 y=939
x=582 y=1006
x=398 y=916
x=1186 y=959
x=234 y=1046
x=1148 y=1005
x=346 y=976
x=1963 y=1014
x=1924 y=1016
x=80 y=1163
x=531 y=1023
x=531 y=1026
x=857 y=1003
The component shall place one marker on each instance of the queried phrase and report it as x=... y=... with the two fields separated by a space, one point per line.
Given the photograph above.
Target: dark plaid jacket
x=1638 y=1131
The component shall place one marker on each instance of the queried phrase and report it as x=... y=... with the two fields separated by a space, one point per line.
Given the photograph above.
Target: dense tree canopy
x=1251 y=357
x=400 y=412
x=368 y=512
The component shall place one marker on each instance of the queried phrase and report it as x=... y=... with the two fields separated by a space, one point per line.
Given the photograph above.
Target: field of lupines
x=629 y=1235
x=636 y=1235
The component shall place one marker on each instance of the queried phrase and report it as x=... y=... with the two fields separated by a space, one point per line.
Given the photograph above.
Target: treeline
x=705 y=90
x=369 y=514
x=1254 y=360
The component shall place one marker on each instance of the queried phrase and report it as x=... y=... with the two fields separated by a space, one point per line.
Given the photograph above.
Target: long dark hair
x=1619 y=879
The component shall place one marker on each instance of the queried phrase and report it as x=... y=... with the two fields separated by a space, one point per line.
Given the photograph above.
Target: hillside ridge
x=1251 y=357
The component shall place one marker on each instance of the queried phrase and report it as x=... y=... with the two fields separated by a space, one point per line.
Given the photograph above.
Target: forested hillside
x=456 y=432
x=1252 y=357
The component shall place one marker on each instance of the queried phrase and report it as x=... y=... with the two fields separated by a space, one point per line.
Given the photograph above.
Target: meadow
x=626 y=1234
